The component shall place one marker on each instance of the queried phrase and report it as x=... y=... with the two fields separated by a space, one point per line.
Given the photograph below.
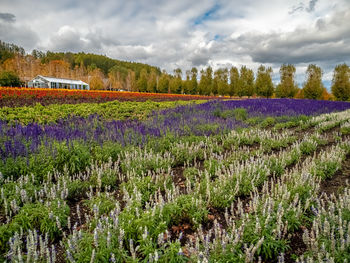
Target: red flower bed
x=13 y=97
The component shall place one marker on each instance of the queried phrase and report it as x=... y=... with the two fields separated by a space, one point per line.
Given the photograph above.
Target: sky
x=183 y=34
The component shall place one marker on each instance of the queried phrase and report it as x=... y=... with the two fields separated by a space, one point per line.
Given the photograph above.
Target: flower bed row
x=14 y=97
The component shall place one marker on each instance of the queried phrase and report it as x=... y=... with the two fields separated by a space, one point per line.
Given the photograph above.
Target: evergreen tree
x=313 y=87
x=341 y=82
x=287 y=87
x=263 y=84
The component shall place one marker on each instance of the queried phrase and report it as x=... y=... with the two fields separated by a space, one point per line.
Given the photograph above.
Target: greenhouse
x=57 y=83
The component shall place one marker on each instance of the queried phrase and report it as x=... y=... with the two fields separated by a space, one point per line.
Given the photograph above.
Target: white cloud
x=182 y=33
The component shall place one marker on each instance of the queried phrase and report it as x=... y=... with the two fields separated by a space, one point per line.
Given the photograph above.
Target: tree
x=175 y=84
x=206 y=82
x=152 y=81
x=190 y=84
x=194 y=83
x=117 y=77
x=221 y=81
x=313 y=87
x=163 y=83
x=326 y=95
x=96 y=79
x=341 y=82
x=142 y=81
x=234 y=81
x=10 y=79
x=131 y=81
x=246 y=82
x=263 y=84
x=96 y=83
x=287 y=87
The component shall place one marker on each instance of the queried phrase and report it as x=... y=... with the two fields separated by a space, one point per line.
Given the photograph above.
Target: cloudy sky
x=185 y=33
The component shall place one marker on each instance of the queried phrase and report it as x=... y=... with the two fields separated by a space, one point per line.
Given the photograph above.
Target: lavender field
x=259 y=180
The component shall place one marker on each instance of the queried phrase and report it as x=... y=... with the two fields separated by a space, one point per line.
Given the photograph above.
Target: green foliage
x=8 y=51
x=313 y=87
x=104 y=202
x=37 y=216
x=146 y=185
x=273 y=144
x=74 y=157
x=263 y=84
x=113 y=110
x=308 y=147
x=325 y=169
x=102 y=62
x=240 y=114
x=287 y=87
x=341 y=82
x=245 y=85
x=189 y=209
x=272 y=246
x=163 y=83
x=268 y=122
x=10 y=79
x=221 y=82
x=345 y=130
x=234 y=81
x=205 y=85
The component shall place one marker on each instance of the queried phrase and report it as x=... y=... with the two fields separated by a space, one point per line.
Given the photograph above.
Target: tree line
x=102 y=72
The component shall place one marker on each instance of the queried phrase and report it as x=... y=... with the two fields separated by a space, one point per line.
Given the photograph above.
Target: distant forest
x=102 y=72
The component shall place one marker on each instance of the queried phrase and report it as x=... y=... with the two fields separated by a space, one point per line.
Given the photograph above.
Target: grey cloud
x=199 y=59
x=7 y=17
x=301 y=7
x=311 y=6
x=294 y=9
x=326 y=40
x=18 y=34
x=69 y=39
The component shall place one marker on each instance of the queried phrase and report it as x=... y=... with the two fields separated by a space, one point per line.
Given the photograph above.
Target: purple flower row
x=19 y=140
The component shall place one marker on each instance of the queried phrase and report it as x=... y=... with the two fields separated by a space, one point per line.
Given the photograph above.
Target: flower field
x=16 y=97
x=260 y=180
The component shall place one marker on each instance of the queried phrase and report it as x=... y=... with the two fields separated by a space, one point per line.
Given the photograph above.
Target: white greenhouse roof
x=66 y=81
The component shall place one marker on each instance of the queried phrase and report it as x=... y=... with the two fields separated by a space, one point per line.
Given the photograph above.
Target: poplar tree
x=341 y=82
x=263 y=84
x=221 y=80
x=187 y=82
x=142 y=81
x=313 y=86
x=175 y=84
x=152 y=81
x=234 y=81
x=194 y=83
x=246 y=82
x=163 y=83
x=206 y=81
x=287 y=88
